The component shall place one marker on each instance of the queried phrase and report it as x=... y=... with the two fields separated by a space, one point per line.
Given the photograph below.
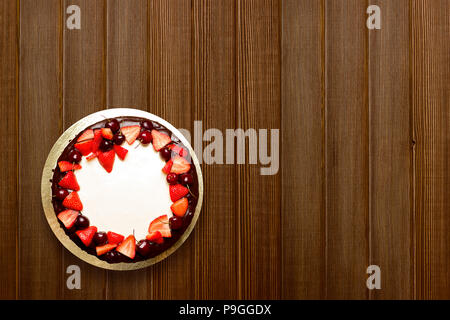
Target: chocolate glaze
x=156 y=248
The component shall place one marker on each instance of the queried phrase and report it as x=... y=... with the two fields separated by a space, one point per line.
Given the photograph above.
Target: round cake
x=125 y=189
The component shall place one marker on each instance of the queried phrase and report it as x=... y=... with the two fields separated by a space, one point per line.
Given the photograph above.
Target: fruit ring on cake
x=122 y=189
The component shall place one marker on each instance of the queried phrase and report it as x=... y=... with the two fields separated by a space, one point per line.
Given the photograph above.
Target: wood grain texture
x=363 y=116
x=258 y=95
x=431 y=118
x=347 y=149
x=390 y=151
x=303 y=178
x=9 y=56
x=84 y=92
x=40 y=254
x=127 y=86
x=214 y=66
x=170 y=94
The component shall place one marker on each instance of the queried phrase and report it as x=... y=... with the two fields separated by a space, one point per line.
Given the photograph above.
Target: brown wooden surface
x=84 y=62
x=430 y=73
x=363 y=118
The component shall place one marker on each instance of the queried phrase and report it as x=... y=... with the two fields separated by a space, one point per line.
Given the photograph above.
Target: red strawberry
x=107 y=133
x=179 y=207
x=121 y=151
x=160 y=224
x=167 y=167
x=97 y=140
x=128 y=247
x=86 y=235
x=105 y=248
x=131 y=133
x=72 y=201
x=68 y=218
x=180 y=165
x=177 y=192
x=85 y=147
x=67 y=166
x=86 y=135
x=69 y=181
x=160 y=140
x=155 y=236
x=178 y=150
x=114 y=238
x=93 y=155
x=106 y=159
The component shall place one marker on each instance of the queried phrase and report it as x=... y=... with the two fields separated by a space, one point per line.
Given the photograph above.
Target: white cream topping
x=130 y=197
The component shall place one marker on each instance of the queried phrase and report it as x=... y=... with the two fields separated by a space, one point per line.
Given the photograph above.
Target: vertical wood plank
x=258 y=99
x=127 y=86
x=347 y=149
x=430 y=49
x=84 y=90
x=40 y=257
x=127 y=75
x=170 y=96
x=390 y=150
x=9 y=56
x=214 y=66
x=303 y=210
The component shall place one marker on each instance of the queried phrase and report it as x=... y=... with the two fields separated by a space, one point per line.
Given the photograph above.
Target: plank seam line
x=17 y=292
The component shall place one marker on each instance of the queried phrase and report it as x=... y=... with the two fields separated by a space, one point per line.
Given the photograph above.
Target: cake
x=125 y=189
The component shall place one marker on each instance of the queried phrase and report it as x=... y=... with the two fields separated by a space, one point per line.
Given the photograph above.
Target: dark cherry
x=175 y=223
x=82 y=222
x=106 y=145
x=166 y=153
x=61 y=194
x=111 y=256
x=100 y=238
x=144 y=247
x=113 y=124
x=190 y=198
x=145 y=137
x=58 y=207
x=172 y=178
x=147 y=125
x=186 y=178
x=74 y=156
x=119 y=138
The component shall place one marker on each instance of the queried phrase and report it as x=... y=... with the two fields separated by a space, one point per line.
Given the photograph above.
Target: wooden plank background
x=364 y=153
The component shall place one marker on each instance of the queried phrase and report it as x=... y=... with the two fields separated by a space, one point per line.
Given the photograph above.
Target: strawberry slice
x=86 y=135
x=106 y=159
x=93 y=155
x=68 y=218
x=167 y=167
x=178 y=150
x=155 y=236
x=84 y=147
x=160 y=224
x=177 y=192
x=97 y=140
x=72 y=201
x=86 y=235
x=128 y=247
x=179 y=207
x=180 y=165
x=107 y=133
x=114 y=238
x=69 y=181
x=121 y=151
x=160 y=140
x=131 y=133
x=105 y=248
x=67 y=166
